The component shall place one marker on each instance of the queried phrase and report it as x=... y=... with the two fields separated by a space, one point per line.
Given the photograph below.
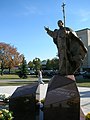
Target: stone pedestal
x=23 y=102
x=62 y=100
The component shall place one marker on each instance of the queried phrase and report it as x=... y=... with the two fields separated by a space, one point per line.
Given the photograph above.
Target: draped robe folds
x=71 y=50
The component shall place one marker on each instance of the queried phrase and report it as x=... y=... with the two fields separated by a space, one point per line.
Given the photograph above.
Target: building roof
x=83 y=29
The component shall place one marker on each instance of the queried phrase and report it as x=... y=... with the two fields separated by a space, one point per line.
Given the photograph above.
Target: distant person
x=40 y=77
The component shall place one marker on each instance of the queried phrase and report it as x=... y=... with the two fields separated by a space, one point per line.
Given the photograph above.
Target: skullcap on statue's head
x=60 y=21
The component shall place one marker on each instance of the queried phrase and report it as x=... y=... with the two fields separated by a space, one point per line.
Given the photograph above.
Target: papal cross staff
x=63 y=6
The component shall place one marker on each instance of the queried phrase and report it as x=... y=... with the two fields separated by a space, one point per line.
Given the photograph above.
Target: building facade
x=84 y=35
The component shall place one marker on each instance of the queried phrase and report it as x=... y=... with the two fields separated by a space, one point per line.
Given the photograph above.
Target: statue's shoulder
x=68 y=29
x=55 y=30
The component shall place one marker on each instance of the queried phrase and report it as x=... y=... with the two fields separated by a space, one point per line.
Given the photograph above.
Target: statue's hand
x=46 y=28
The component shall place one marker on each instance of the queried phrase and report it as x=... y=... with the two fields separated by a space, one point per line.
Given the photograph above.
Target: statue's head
x=60 y=23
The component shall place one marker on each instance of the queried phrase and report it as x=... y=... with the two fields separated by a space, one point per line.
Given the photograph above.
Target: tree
x=37 y=64
x=43 y=64
x=30 y=65
x=55 y=64
x=9 y=57
x=23 y=69
x=49 y=65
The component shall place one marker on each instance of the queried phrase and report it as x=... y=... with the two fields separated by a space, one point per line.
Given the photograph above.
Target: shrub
x=5 y=115
x=87 y=117
x=4 y=97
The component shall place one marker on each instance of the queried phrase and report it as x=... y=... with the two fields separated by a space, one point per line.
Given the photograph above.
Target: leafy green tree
x=55 y=63
x=30 y=65
x=49 y=65
x=37 y=64
x=23 y=69
x=43 y=64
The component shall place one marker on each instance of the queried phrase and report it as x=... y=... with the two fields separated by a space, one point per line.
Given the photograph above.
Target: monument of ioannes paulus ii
x=59 y=99
x=62 y=101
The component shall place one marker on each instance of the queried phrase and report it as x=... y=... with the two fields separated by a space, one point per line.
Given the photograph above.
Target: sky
x=22 y=24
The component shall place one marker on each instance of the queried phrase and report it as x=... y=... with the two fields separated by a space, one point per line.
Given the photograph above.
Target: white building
x=84 y=35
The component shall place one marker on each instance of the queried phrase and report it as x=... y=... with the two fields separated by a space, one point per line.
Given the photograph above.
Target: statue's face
x=60 y=24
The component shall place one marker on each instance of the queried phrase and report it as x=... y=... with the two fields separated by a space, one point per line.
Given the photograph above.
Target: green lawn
x=85 y=84
x=15 y=80
x=9 y=77
x=82 y=82
x=15 y=77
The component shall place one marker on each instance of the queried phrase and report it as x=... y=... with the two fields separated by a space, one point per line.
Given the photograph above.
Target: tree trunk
x=2 y=71
x=9 y=70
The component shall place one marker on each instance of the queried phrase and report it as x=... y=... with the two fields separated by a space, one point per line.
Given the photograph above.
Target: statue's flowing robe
x=71 y=50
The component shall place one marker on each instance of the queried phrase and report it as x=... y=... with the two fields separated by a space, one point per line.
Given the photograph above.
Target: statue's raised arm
x=46 y=28
x=53 y=34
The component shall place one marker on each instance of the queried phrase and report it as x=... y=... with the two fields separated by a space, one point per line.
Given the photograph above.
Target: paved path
x=84 y=95
x=85 y=99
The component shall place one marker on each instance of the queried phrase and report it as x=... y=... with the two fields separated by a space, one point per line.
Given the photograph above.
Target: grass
x=16 y=84
x=15 y=80
x=87 y=84
x=15 y=76
x=9 y=77
x=83 y=82
x=12 y=80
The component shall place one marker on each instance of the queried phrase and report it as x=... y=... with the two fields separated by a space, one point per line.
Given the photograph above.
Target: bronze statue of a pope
x=71 y=50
